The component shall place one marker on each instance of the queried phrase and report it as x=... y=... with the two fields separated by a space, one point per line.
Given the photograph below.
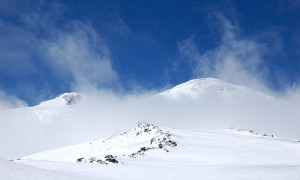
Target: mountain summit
x=63 y=99
x=210 y=86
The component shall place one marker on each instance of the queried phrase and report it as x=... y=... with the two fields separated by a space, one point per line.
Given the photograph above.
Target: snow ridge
x=131 y=144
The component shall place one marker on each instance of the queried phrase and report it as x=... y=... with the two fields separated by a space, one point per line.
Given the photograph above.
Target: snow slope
x=226 y=154
x=132 y=143
x=32 y=124
x=13 y=171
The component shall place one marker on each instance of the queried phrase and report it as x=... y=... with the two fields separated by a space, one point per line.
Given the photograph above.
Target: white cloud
x=236 y=59
x=69 y=52
x=8 y=101
x=121 y=28
x=82 y=54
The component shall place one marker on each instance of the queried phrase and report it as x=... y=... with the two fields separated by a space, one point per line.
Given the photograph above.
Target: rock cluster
x=161 y=140
x=107 y=159
x=71 y=98
x=255 y=133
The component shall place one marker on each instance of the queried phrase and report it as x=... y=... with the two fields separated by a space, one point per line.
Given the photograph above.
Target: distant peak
x=203 y=86
x=209 y=81
x=71 y=98
x=212 y=83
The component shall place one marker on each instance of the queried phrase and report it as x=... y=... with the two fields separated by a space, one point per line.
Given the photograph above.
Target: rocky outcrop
x=106 y=160
x=161 y=140
x=157 y=140
x=71 y=98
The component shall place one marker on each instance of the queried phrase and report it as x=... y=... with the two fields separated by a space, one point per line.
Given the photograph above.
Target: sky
x=51 y=47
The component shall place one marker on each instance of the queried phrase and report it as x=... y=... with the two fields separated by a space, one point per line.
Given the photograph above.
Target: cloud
x=41 y=46
x=16 y=47
x=8 y=102
x=236 y=59
x=41 y=52
x=82 y=54
x=121 y=28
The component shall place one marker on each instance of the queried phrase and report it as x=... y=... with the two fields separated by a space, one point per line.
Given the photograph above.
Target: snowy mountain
x=54 y=133
x=63 y=99
x=198 y=88
x=70 y=113
x=183 y=154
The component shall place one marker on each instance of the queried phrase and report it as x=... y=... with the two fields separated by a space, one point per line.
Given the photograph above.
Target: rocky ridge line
x=161 y=140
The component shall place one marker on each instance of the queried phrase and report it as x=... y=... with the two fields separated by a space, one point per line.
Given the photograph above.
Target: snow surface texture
x=230 y=154
x=16 y=171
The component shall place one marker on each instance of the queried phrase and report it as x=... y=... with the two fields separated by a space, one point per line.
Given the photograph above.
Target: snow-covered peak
x=205 y=86
x=143 y=129
x=63 y=99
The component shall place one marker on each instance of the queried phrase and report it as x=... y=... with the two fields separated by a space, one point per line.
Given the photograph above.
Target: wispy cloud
x=8 y=102
x=69 y=51
x=236 y=59
x=82 y=54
